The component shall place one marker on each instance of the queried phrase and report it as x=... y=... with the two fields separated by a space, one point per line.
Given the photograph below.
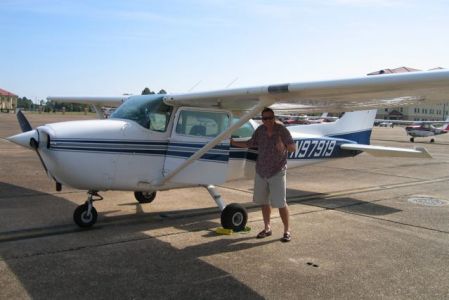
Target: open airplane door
x=194 y=128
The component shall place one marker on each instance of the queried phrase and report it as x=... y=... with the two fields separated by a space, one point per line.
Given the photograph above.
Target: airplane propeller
x=28 y=138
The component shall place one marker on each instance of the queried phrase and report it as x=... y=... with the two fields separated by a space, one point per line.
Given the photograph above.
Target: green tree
x=147 y=91
x=24 y=103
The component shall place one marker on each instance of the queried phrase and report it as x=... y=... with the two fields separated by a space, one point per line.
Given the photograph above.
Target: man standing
x=273 y=142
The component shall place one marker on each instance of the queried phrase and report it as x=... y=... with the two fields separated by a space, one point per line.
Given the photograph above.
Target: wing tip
x=424 y=152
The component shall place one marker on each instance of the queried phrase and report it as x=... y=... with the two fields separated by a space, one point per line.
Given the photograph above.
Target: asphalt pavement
x=362 y=228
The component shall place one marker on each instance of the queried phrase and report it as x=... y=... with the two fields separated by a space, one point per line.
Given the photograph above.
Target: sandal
x=286 y=238
x=264 y=233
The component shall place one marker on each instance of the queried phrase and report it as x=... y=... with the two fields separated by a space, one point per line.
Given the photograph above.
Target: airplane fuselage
x=147 y=145
x=121 y=155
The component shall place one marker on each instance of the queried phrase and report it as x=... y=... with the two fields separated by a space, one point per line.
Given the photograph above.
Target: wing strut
x=263 y=102
x=98 y=111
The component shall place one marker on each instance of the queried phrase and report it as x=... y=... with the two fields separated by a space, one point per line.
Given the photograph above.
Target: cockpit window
x=245 y=131
x=149 y=111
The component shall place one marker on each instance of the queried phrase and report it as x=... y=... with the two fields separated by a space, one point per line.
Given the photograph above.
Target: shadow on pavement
x=146 y=268
x=120 y=258
x=115 y=261
x=345 y=204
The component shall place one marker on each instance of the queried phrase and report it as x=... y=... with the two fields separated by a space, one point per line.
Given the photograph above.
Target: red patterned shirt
x=269 y=159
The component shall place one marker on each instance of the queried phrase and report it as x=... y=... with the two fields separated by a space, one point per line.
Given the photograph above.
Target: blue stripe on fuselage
x=182 y=150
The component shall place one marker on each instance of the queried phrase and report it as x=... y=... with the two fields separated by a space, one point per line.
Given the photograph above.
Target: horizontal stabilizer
x=380 y=151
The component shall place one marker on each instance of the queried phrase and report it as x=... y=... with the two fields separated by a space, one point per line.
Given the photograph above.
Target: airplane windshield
x=148 y=111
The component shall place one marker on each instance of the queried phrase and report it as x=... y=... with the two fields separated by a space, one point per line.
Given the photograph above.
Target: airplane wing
x=331 y=96
x=96 y=102
x=113 y=101
x=380 y=151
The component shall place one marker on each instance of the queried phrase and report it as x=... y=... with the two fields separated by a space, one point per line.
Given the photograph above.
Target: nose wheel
x=85 y=215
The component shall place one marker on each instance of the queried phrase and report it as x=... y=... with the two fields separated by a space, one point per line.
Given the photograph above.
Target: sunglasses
x=267 y=118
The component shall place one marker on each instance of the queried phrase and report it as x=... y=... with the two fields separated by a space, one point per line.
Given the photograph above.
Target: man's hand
x=280 y=146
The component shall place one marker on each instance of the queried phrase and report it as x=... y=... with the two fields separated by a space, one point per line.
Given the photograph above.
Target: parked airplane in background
x=161 y=142
x=421 y=128
x=289 y=120
x=426 y=130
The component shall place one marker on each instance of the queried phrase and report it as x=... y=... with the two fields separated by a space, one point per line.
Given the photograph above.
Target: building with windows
x=8 y=101
x=422 y=112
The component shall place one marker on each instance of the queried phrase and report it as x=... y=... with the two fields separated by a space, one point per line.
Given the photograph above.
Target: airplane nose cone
x=23 y=139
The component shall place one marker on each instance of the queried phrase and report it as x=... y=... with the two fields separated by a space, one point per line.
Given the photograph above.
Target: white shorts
x=271 y=191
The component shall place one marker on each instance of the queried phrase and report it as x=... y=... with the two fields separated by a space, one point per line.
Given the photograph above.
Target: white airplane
x=422 y=128
x=161 y=142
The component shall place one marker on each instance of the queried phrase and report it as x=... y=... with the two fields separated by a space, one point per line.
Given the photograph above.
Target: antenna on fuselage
x=232 y=82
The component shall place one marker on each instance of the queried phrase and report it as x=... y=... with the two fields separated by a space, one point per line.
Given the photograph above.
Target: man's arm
x=239 y=144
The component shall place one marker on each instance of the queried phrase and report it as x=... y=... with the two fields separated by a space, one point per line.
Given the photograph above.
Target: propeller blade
x=23 y=122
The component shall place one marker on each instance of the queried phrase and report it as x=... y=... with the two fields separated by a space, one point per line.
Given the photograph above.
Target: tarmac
x=362 y=228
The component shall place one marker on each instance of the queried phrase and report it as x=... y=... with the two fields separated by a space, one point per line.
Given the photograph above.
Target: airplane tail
x=355 y=126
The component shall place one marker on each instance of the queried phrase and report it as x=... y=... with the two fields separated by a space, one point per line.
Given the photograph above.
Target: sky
x=110 y=48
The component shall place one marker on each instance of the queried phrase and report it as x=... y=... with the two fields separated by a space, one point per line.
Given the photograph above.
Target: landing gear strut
x=233 y=216
x=85 y=215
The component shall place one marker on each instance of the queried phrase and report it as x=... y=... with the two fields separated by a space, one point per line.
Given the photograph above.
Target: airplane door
x=194 y=128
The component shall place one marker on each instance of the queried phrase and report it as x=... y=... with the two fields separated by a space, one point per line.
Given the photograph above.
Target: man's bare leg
x=266 y=213
x=283 y=212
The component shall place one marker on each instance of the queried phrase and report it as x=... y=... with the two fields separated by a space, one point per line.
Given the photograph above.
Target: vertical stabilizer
x=355 y=126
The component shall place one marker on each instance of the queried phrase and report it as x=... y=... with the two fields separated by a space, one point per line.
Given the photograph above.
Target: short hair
x=267 y=109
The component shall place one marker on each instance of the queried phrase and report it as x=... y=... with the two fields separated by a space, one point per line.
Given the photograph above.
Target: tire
x=432 y=140
x=81 y=219
x=412 y=140
x=234 y=217
x=145 y=197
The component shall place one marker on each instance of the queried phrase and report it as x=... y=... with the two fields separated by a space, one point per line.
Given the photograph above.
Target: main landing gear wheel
x=83 y=218
x=432 y=140
x=145 y=197
x=234 y=217
x=412 y=140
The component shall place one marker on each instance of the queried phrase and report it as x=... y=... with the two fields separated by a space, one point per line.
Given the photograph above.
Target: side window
x=202 y=123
